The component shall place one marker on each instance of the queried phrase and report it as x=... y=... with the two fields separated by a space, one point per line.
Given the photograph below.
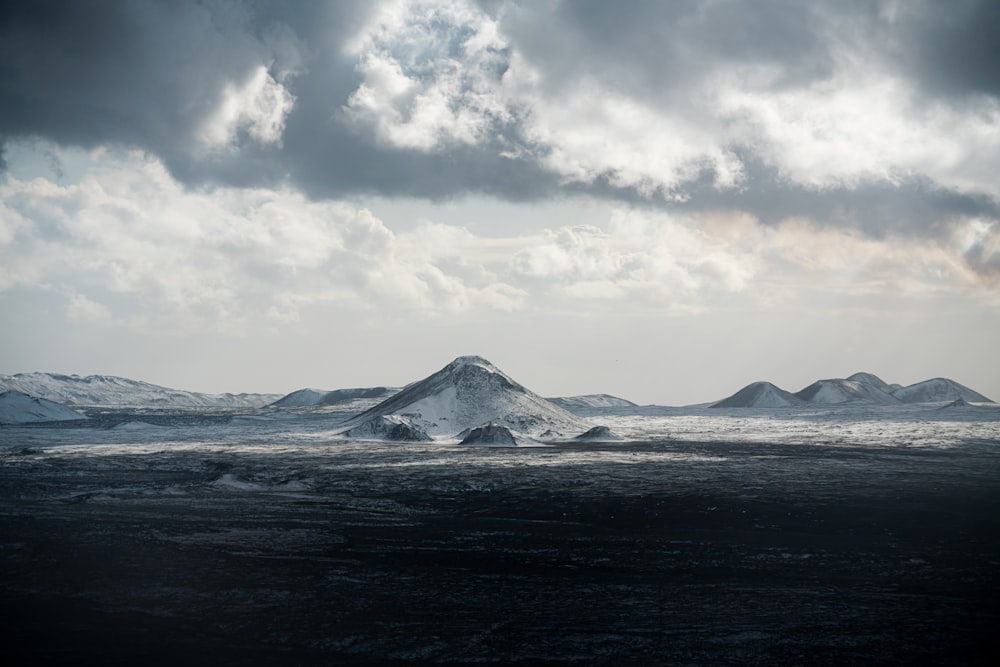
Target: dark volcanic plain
x=659 y=552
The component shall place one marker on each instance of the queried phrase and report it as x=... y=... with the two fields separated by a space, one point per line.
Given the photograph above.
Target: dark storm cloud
x=656 y=49
x=133 y=72
x=146 y=73
x=913 y=206
x=953 y=48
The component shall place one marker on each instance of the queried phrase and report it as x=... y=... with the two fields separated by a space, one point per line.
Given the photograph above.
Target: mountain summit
x=470 y=392
x=759 y=395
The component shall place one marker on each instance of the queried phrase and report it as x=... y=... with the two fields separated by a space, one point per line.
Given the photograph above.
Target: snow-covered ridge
x=860 y=388
x=112 y=391
x=19 y=408
x=360 y=398
x=591 y=401
x=938 y=389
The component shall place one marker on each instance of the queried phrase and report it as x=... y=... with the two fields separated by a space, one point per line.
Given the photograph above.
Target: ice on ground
x=136 y=426
x=278 y=415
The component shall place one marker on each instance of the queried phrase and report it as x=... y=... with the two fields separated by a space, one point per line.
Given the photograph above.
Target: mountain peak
x=759 y=395
x=467 y=393
x=471 y=360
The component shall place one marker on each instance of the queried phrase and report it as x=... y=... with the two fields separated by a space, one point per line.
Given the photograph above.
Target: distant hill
x=867 y=389
x=468 y=393
x=110 y=391
x=591 y=401
x=858 y=389
x=360 y=398
x=938 y=389
x=760 y=395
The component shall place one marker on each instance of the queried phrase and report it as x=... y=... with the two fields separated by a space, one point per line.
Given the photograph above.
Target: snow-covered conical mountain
x=760 y=395
x=938 y=390
x=847 y=391
x=470 y=392
x=19 y=408
x=112 y=391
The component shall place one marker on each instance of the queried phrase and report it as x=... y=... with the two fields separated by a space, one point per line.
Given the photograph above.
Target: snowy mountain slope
x=388 y=427
x=111 y=391
x=19 y=408
x=874 y=381
x=937 y=390
x=838 y=390
x=360 y=398
x=489 y=434
x=598 y=434
x=590 y=401
x=760 y=395
x=860 y=389
x=300 y=399
x=470 y=392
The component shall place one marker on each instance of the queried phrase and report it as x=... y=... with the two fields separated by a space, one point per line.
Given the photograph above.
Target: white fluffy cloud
x=437 y=74
x=128 y=245
x=226 y=258
x=257 y=106
x=430 y=73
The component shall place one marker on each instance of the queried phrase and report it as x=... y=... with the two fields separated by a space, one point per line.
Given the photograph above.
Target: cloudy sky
x=660 y=200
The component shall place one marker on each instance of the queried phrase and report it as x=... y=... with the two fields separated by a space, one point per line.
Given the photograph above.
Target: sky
x=664 y=201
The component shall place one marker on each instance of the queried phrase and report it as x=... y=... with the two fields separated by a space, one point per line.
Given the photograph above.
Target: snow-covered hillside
x=838 y=390
x=858 y=389
x=759 y=395
x=938 y=389
x=470 y=392
x=591 y=401
x=356 y=399
x=112 y=391
x=300 y=399
x=19 y=408
x=872 y=380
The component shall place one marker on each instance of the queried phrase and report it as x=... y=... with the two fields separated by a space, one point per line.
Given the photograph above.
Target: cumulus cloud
x=128 y=245
x=854 y=116
x=168 y=257
x=258 y=106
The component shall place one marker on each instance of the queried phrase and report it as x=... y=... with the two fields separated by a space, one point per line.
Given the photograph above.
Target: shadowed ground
x=644 y=553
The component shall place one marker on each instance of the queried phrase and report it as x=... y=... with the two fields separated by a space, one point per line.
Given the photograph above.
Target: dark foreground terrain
x=648 y=553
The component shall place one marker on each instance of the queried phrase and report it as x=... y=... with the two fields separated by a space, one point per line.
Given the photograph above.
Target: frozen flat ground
x=711 y=537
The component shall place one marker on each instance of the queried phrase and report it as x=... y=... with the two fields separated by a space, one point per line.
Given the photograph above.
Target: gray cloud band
x=534 y=100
